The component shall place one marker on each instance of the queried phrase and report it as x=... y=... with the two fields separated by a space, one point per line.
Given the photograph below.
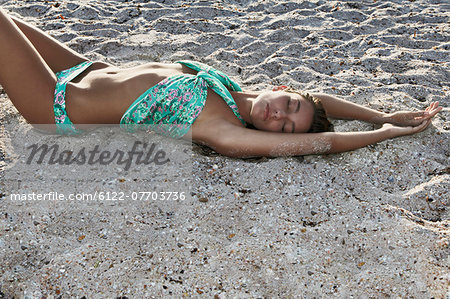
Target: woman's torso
x=102 y=94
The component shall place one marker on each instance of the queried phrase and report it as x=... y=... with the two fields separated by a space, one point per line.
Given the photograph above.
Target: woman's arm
x=342 y=109
x=235 y=141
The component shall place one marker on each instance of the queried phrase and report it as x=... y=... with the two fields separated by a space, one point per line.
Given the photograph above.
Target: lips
x=266 y=112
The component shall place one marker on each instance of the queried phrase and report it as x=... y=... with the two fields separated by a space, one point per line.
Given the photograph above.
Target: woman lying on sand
x=182 y=100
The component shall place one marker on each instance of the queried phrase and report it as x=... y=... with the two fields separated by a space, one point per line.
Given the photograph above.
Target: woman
x=197 y=101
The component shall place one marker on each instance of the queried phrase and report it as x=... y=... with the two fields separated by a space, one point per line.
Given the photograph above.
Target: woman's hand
x=395 y=131
x=416 y=118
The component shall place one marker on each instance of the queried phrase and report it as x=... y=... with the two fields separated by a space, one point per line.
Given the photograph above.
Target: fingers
x=429 y=112
x=430 y=107
x=436 y=107
x=433 y=109
x=434 y=112
x=422 y=126
x=433 y=106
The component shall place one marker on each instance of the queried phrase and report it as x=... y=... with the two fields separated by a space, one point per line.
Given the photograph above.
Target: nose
x=278 y=114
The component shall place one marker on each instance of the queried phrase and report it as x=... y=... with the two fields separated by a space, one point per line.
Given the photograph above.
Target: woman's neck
x=244 y=101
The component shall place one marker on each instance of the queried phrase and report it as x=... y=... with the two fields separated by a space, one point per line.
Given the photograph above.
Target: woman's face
x=282 y=112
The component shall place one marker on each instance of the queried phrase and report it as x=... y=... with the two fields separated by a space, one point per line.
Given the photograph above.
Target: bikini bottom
x=63 y=124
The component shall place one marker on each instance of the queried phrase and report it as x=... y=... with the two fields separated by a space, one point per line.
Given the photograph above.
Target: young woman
x=51 y=84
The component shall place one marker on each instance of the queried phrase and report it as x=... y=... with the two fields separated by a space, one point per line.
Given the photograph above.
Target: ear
x=280 y=87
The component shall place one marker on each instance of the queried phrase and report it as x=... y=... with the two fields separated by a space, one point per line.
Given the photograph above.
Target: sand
x=369 y=223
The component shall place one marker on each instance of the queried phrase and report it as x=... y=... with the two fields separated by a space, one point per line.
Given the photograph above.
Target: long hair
x=320 y=122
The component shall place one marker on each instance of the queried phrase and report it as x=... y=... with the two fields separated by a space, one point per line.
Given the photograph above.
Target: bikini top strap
x=217 y=85
x=222 y=77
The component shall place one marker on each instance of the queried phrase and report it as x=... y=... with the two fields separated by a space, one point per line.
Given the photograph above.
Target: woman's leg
x=57 y=56
x=26 y=78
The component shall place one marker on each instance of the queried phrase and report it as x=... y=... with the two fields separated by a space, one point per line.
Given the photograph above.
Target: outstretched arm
x=342 y=109
x=235 y=141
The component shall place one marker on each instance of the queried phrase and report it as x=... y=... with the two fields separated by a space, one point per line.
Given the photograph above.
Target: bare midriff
x=102 y=93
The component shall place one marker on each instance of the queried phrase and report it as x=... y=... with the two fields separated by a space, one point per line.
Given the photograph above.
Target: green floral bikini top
x=171 y=106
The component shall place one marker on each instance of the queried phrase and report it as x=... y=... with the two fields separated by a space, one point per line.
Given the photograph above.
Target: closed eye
x=288 y=102
x=296 y=103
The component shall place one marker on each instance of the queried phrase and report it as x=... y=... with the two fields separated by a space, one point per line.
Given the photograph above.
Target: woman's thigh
x=26 y=78
x=56 y=55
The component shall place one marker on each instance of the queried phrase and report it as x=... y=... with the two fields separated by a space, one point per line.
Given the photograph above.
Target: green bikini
x=169 y=108
x=63 y=124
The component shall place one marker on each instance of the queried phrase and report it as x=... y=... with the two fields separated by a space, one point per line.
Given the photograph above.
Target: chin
x=260 y=126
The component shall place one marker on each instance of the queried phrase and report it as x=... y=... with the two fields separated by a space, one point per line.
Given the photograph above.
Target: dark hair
x=320 y=122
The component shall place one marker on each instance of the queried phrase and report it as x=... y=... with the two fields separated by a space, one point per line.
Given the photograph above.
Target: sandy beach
x=371 y=223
